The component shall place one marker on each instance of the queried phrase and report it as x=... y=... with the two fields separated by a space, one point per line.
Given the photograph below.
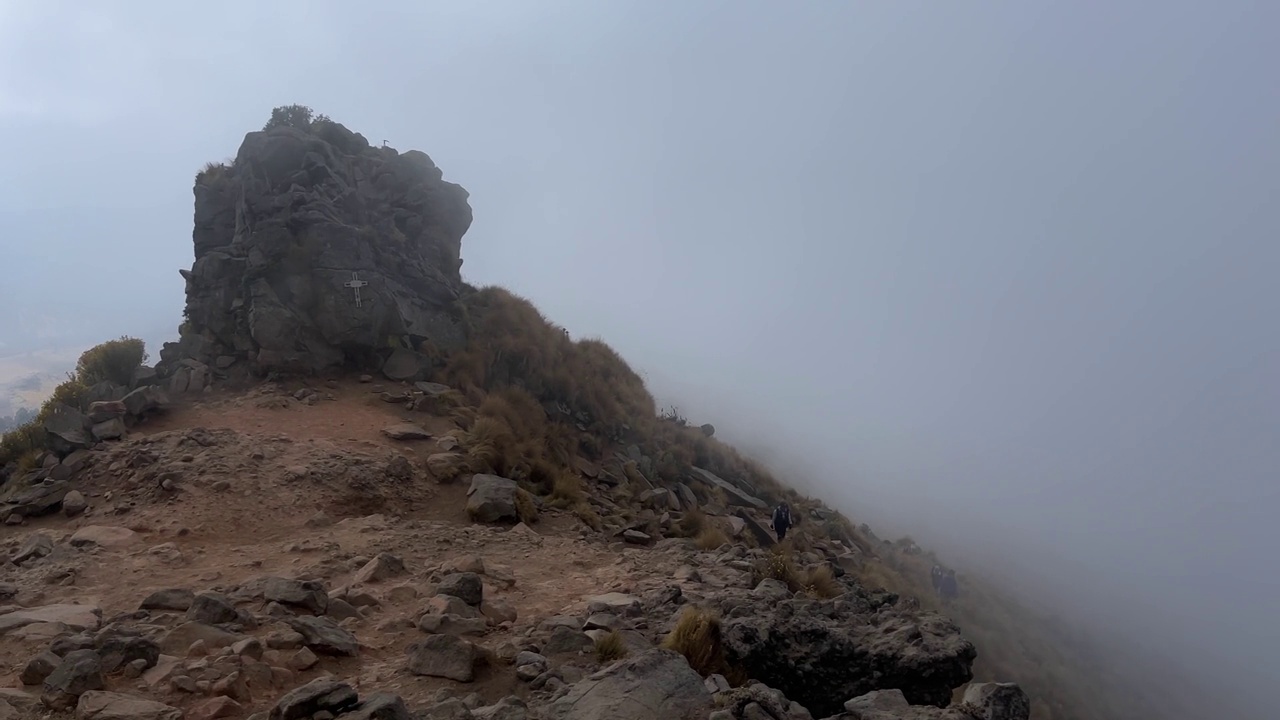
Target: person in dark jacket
x=781 y=520
x=947 y=586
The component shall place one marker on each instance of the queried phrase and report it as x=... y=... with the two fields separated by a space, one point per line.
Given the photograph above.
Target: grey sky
x=997 y=274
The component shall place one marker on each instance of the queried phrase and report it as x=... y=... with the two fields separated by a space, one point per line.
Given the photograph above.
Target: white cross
x=355 y=283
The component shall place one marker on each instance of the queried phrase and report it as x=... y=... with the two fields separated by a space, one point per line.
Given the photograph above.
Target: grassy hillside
x=544 y=398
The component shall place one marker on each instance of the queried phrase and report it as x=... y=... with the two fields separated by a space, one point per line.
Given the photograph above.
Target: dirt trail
x=223 y=526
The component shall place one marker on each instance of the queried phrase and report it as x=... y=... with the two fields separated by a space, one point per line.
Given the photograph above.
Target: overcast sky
x=1002 y=275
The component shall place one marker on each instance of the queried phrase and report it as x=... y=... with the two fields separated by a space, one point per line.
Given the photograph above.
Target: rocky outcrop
x=823 y=652
x=314 y=250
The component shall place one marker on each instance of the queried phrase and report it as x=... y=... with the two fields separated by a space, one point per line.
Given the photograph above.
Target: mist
x=999 y=276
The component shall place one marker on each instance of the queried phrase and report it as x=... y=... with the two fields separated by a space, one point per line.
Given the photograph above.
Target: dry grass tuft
x=513 y=345
x=820 y=582
x=692 y=523
x=525 y=508
x=610 y=647
x=711 y=538
x=777 y=565
x=696 y=636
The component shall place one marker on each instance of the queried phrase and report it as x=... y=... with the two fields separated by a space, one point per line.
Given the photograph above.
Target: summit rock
x=307 y=217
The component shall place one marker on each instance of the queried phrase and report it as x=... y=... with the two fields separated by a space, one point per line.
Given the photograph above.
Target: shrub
x=777 y=565
x=820 y=582
x=513 y=345
x=711 y=538
x=692 y=523
x=610 y=647
x=298 y=116
x=567 y=490
x=113 y=361
x=525 y=508
x=587 y=514
x=696 y=636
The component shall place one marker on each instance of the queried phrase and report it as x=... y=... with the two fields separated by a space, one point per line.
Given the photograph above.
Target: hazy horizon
x=998 y=276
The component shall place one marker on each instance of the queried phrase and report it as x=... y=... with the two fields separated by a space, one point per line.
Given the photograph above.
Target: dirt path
x=256 y=504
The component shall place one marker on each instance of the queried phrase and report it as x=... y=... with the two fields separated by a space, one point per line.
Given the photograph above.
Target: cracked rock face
x=299 y=215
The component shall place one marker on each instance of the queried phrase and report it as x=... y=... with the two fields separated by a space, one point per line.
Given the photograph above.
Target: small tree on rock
x=299 y=116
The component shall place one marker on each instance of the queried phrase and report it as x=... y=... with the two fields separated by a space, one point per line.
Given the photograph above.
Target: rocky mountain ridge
x=428 y=504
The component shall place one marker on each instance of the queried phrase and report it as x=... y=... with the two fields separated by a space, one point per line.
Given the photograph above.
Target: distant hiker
x=781 y=520
x=935 y=577
x=947 y=586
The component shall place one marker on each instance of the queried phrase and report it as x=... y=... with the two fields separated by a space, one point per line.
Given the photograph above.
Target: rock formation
x=314 y=250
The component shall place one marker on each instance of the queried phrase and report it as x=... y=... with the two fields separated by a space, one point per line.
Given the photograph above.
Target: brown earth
x=254 y=503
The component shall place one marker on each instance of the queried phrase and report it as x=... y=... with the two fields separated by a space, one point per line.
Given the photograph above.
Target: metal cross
x=355 y=283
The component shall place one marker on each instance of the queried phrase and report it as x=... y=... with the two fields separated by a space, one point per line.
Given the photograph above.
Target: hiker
x=947 y=586
x=935 y=577
x=781 y=520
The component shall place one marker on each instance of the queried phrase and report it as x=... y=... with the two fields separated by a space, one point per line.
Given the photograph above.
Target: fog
x=997 y=275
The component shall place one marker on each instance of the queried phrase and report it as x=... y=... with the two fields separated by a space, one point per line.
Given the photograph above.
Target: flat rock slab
x=107 y=536
x=77 y=617
x=99 y=705
x=654 y=684
x=406 y=431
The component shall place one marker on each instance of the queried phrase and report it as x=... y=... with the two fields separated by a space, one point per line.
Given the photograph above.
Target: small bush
x=587 y=514
x=113 y=361
x=711 y=538
x=777 y=565
x=692 y=523
x=610 y=647
x=525 y=508
x=820 y=582
x=696 y=636
x=566 y=490
x=298 y=116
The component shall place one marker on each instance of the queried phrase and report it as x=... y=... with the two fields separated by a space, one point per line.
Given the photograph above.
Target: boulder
x=75 y=617
x=212 y=608
x=309 y=595
x=445 y=656
x=654 y=684
x=738 y=492
x=67 y=429
x=325 y=636
x=79 y=672
x=116 y=650
x=145 y=400
x=74 y=503
x=178 y=599
x=99 y=705
x=303 y=220
x=177 y=640
x=102 y=411
x=404 y=364
x=36 y=546
x=823 y=652
x=492 y=499
x=466 y=586
x=380 y=706
x=112 y=429
x=997 y=701
x=36 y=500
x=382 y=567
x=320 y=695
x=39 y=667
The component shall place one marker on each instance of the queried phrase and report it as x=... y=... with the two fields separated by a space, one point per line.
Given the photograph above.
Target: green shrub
x=112 y=361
